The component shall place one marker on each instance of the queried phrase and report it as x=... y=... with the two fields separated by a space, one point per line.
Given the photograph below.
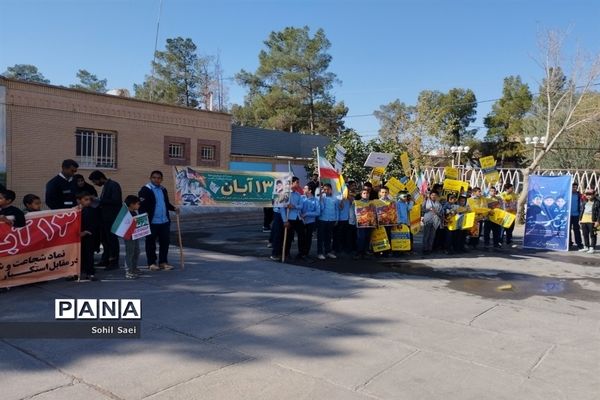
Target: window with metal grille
x=207 y=153
x=96 y=149
x=177 y=151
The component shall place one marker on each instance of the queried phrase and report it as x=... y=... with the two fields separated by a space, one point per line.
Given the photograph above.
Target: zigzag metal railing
x=585 y=178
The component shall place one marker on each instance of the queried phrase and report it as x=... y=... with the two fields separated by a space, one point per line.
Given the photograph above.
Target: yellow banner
x=400 y=238
x=412 y=188
x=501 y=217
x=488 y=167
x=395 y=186
x=379 y=240
x=462 y=221
x=377 y=175
x=415 y=219
x=451 y=173
x=454 y=186
x=405 y=164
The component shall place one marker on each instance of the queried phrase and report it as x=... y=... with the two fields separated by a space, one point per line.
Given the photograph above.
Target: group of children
x=15 y=217
x=335 y=221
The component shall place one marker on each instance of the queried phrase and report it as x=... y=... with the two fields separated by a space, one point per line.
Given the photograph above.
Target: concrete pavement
x=514 y=325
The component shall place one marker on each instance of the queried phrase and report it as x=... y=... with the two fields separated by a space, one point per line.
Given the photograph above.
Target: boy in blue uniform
x=292 y=221
x=327 y=220
x=310 y=212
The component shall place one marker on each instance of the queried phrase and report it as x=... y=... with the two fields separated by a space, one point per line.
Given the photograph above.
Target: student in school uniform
x=88 y=222
x=292 y=220
x=310 y=212
x=154 y=201
x=327 y=220
x=10 y=214
x=110 y=203
x=60 y=190
x=341 y=240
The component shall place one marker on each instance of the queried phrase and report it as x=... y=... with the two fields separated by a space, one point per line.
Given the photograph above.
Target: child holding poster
x=132 y=247
x=366 y=220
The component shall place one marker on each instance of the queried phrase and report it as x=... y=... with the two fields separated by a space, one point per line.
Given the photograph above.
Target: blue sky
x=382 y=50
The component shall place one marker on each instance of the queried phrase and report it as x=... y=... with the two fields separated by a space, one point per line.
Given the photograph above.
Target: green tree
x=456 y=112
x=356 y=154
x=89 y=81
x=291 y=88
x=25 y=72
x=395 y=120
x=181 y=76
x=505 y=121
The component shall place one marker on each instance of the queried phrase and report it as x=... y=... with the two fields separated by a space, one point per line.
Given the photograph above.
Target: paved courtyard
x=512 y=325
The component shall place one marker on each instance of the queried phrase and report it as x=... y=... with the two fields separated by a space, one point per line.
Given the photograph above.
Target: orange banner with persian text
x=46 y=248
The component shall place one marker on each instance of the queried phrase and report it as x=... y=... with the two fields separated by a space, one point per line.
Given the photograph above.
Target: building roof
x=110 y=97
x=250 y=141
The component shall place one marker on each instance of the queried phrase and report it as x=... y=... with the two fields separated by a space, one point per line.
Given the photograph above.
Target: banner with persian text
x=211 y=188
x=46 y=248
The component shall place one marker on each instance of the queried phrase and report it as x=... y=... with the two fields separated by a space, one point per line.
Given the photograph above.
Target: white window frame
x=97 y=148
x=209 y=155
x=177 y=151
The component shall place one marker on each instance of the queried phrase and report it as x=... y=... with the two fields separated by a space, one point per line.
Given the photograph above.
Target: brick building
x=40 y=125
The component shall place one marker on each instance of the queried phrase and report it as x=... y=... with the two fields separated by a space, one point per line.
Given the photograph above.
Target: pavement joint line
x=363 y=385
x=214 y=371
x=73 y=378
x=33 y=396
x=321 y=379
x=541 y=359
x=482 y=313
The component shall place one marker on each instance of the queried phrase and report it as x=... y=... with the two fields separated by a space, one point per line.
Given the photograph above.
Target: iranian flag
x=124 y=224
x=328 y=174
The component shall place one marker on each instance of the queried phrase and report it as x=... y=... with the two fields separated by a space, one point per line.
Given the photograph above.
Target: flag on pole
x=124 y=224
x=340 y=156
x=328 y=174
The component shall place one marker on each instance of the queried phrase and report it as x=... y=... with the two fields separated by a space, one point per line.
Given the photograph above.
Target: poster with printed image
x=547 y=218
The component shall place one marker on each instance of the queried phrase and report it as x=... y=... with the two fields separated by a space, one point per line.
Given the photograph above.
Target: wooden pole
x=285 y=234
x=181 y=261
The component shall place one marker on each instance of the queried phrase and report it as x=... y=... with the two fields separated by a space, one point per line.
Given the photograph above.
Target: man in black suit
x=154 y=200
x=60 y=190
x=110 y=203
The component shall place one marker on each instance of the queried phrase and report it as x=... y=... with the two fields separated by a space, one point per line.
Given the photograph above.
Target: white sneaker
x=591 y=250
x=153 y=267
x=583 y=249
x=321 y=257
x=331 y=255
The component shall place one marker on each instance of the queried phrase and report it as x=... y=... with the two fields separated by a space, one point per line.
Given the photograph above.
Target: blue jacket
x=294 y=211
x=403 y=210
x=344 y=211
x=310 y=209
x=330 y=210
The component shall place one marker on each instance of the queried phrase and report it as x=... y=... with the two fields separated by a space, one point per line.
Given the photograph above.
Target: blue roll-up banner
x=548 y=210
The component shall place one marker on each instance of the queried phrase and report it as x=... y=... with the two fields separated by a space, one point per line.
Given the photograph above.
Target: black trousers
x=508 y=233
x=267 y=217
x=87 y=255
x=276 y=237
x=110 y=243
x=342 y=240
x=495 y=230
x=162 y=233
x=576 y=231
x=589 y=235
x=296 y=229
x=309 y=229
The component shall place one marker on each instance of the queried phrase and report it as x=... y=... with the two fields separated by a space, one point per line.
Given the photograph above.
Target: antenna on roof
x=155 y=48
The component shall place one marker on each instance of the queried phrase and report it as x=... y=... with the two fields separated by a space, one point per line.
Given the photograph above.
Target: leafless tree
x=562 y=105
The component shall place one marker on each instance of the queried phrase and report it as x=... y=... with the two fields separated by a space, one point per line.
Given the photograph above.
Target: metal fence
x=585 y=178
